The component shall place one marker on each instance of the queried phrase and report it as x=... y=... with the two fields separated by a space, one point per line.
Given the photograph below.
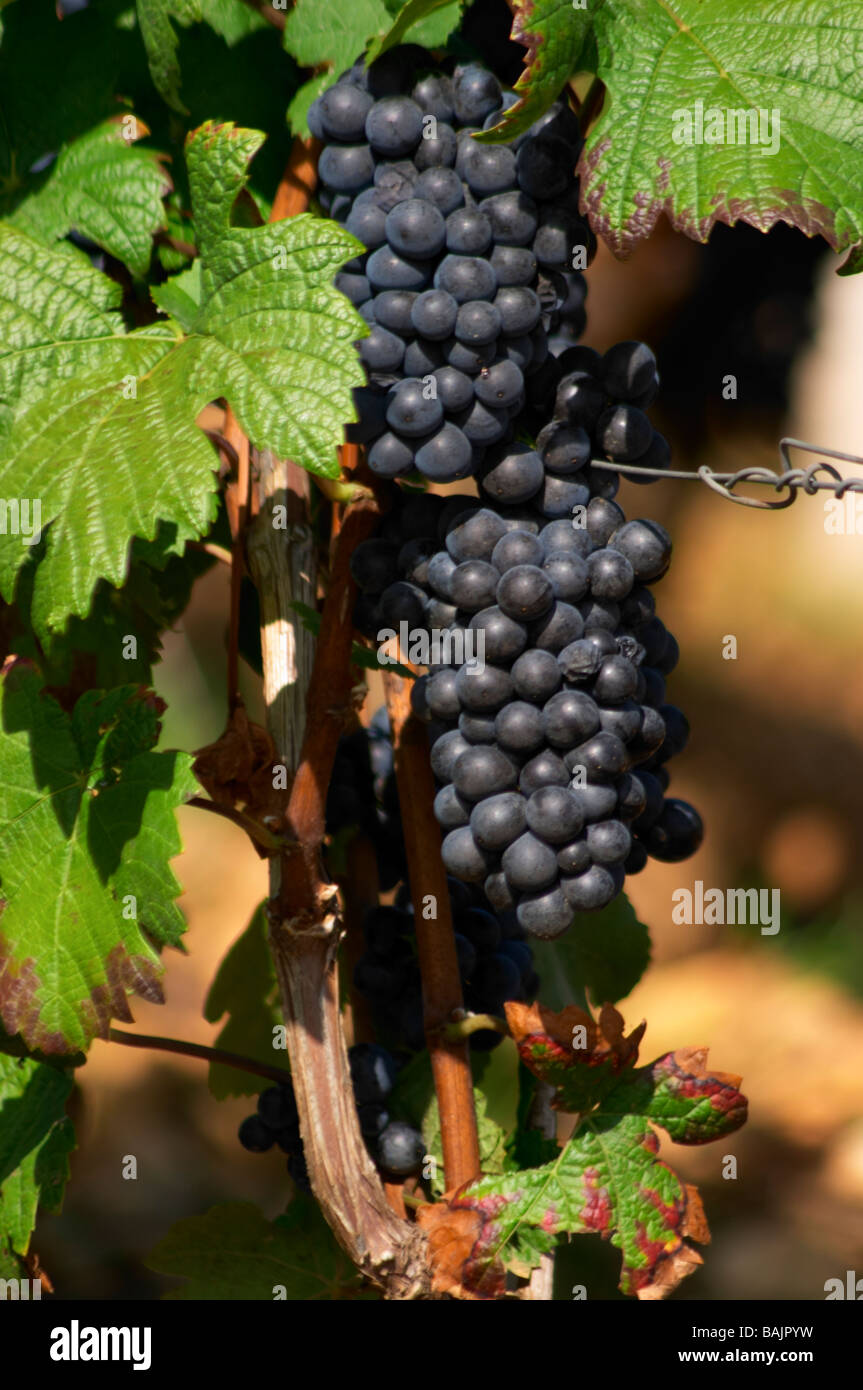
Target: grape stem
x=204 y=1054
x=441 y=983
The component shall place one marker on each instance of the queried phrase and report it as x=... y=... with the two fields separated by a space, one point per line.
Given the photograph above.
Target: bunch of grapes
x=495 y=964
x=550 y=745
x=362 y=796
x=551 y=748
x=396 y=1148
x=469 y=260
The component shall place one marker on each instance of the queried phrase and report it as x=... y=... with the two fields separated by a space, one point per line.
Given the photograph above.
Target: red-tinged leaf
x=578 y=1055
x=608 y=1180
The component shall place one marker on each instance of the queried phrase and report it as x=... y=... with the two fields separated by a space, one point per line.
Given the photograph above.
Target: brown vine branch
x=204 y=1054
x=441 y=983
x=304 y=924
x=298 y=181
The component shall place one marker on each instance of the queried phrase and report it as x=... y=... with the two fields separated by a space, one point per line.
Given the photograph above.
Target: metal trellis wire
x=818 y=477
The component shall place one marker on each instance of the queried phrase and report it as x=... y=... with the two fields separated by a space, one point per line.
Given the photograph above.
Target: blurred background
x=775 y=764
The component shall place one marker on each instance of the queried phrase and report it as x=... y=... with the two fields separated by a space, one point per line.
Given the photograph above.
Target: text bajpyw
x=77 y=1343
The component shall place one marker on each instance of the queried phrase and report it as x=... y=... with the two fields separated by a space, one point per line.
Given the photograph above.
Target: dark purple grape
x=498 y=821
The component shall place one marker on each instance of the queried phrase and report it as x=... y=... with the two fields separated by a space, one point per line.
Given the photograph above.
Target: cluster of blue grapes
x=495 y=962
x=546 y=694
x=397 y=1148
x=469 y=260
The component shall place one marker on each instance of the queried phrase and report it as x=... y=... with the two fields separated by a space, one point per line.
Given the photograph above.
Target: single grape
x=513 y=217
x=388 y=271
x=563 y=448
x=434 y=96
x=616 y=680
x=474 y=585
x=512 y=473
x=592 y=890
x=451 y=810
x=382 y=351
x=536 y=676
x=466 y=278
x=455 y=389
x=400 y=1149
x=477 y=322
x=445 y=752
x=517 y=548
x=545 y=915
x=518 y=307
x=565 y=535
x=500 y=385
x=568 y=573
x=623 y=432
x=446 y=457
x=647 y=547
x=463 y=857
x=525 y=593
x=393 y=311
x=468 y=232
x=481 y=687
x=604 y=756
x=482 y=424
x=438 y=149
x=481 y=771
x=476 y=93
x=569 y=718
x=519 y=728
x=609 y=842
x=343 y=111
x=476 y=728
x=487 y=169
x=503 y=638
x=628 y=370
x=346 y=168
x=389 y=456
x=441 y=186
x=560 y=627
x=416 y=228
x=498 y=820
x=412 y=411
x=474 y=537
x=545 y=770
x=441 y=695
x=394 y=126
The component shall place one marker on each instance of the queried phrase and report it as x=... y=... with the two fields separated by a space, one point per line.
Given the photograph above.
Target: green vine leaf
x=426 y=22
x=554 y=34
x=715 y=111
x=245 y=988
x=160 y=41
x=607 y=1179
x=233 y=1253
x=36 y=1139
x=87 y=830
x=605 y=953
x=100 y=425
x=104 y=189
